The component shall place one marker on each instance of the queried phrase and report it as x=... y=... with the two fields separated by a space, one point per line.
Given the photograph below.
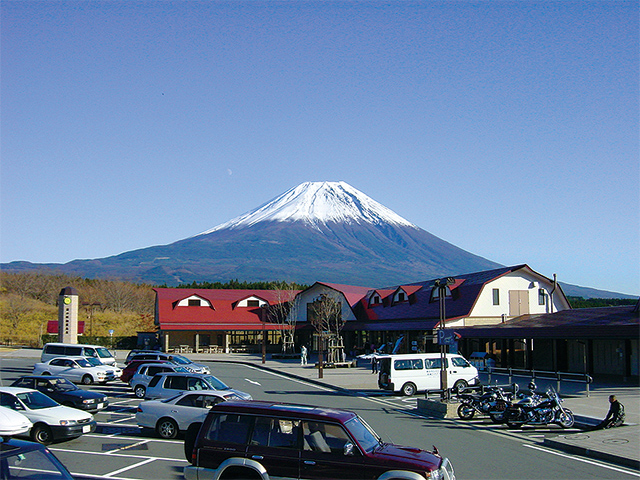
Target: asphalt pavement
x=619 y=445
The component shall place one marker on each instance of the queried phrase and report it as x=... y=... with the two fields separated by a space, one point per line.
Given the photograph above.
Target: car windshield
x=84 y=363
x=94 y=361
x=103 y=353
x=180 y=360
x=215 y=383
x=363 y=433
x=36 y=400
x=62 y=385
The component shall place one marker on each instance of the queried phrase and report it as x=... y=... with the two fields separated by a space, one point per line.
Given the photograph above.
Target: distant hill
x=319 y=231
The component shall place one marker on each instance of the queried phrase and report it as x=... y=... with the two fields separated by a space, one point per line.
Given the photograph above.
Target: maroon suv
x=259 y=440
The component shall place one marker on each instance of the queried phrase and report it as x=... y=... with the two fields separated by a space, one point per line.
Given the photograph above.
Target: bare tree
x=325 y=314
x=285 y=312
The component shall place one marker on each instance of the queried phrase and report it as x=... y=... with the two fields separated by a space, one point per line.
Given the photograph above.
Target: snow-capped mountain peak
x=317 y=203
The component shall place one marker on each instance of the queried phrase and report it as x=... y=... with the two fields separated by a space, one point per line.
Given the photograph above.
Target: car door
x=190 y=409
x=64 y=367
x=226 y=437
x=275 y=444
x=323 y=453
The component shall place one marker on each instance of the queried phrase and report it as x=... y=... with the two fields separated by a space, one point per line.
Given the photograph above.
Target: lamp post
x=442 y=285
x=263 y=319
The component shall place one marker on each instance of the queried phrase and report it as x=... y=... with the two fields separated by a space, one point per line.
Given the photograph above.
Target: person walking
x=303 y=355
x=374 y=361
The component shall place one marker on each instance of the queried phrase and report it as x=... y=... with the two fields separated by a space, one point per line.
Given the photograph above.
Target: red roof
x=352 y=293
x=225 y=314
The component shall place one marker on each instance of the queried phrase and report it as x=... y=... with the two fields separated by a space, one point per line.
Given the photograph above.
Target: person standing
x=374 y=361
x=303 y=355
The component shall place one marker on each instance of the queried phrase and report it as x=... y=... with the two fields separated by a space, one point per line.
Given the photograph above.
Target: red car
x=261 y=440
x=132 y=368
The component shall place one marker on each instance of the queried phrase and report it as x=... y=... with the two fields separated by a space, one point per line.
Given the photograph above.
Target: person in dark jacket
x=615 y=415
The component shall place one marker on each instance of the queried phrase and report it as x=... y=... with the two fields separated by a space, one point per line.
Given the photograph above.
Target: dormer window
x=253 y=303
x=401 y=297
x=375 y=299
x=194 y=302
x=435 y=293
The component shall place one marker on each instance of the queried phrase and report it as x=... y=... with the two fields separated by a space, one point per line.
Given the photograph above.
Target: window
x=433 y=363
x=375 y=300
x=324 y=437
x=409 y=364
x=459 y=362
x=230 y=428
x=253 y=303
x=176 y=383
x=194 y=302
x=542 y=296
x=401 y=296
x=496 y=296
x=274 y=432
x=435 y=293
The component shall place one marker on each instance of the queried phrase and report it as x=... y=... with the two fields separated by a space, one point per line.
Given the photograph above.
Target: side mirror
x=348 y=449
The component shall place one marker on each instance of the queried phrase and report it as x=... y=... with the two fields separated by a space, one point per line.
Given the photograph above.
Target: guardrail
x=543 y=375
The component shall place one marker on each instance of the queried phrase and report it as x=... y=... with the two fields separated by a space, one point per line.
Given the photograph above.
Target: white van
x=53 y=350
x=420 y=372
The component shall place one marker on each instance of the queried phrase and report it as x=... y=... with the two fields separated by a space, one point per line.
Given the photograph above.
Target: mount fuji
x=317 y=231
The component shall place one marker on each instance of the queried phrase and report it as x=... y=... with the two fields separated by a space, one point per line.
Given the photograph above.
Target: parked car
x=132 y=367
x=174 y=358
x=172 y=415
x=13 y=423
x=265 y=440
x=64 y=392
x=55 y=350
x=166 y=385
x=145 y=373
x=76 y=369
x=117 y=371
x=137 y=351
x=51 y=421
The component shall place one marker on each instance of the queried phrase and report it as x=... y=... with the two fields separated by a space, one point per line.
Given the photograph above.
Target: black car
x=64 y=392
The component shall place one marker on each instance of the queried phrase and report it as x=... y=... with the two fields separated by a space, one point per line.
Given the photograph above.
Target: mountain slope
x=317 y=231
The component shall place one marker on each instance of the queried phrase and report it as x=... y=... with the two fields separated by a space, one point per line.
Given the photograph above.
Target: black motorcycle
x=544 y=410
x=492 y=401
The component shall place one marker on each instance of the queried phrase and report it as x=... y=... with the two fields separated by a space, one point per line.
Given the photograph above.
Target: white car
x=140 y=380
x=167 y=385
x=76 y=369
x=51 y=421
x=172 y=415
x=13 y=423
x=117 y=371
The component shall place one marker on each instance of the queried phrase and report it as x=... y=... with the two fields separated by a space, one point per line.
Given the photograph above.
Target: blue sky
x=509 y=129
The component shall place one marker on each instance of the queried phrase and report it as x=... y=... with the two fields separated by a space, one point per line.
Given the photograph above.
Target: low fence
x=558 y=377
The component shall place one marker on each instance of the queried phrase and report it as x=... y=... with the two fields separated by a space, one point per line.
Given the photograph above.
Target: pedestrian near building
x=303 y=355
x=374 y=361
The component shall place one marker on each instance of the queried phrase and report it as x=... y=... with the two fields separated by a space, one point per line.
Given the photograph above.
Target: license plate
x=86 y=428
x=101 y=405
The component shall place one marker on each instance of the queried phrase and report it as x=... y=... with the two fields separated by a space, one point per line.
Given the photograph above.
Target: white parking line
x=583 y=460
x=135 y=465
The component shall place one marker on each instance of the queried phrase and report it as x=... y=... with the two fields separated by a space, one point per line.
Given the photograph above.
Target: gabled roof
x=426 y=312
x=352 y=293
x=223 y=315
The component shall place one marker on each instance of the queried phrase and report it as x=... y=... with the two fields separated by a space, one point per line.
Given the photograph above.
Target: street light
x=263 y=319
x=442 y=285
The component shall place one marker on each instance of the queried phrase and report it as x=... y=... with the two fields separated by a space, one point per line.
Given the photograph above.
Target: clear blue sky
x=509 y=129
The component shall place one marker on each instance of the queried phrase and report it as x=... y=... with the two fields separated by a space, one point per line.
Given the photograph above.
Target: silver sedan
x=172 y=415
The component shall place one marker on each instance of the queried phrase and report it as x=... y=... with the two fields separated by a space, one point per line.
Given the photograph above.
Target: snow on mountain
x=317 y=203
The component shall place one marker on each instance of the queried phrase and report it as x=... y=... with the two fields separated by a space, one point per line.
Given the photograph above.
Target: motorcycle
x=544 y=410
x=492 y=401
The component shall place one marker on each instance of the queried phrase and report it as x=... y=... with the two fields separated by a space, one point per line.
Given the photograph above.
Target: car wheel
x=167 y=428
x=87 y=380
x=459 y=386
x=139 y=391
x=409 y=389
x=42 y=434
